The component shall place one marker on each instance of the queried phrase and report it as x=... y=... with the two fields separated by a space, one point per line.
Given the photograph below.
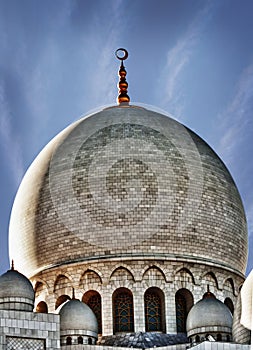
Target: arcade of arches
x=125 y=298
x=123 y=308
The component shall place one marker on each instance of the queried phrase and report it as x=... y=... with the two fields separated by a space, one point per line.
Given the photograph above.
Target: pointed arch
x=42 y=307
x=184 y=302
x=65 y=274
x=40 y=288
x=90 y=279
x=62 y=285
x=229 y=303
x=93 y=299
x=185 y=275
x=154 y=305
x=197 y=339
x=229 y=285
x=80 y=340
x=154 y=273
x=62 y=299
x=164 y=271
x=121 y=273
x=124 y=266
x=123 y=310
x=209 y=278
x=69 y=341
x=219 y=337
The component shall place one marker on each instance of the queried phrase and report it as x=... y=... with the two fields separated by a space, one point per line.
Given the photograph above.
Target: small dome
x=16 y=292
x=77 y=318
x=219 y=318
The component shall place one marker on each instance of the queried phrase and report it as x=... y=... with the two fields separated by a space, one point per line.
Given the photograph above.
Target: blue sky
x=193 y=59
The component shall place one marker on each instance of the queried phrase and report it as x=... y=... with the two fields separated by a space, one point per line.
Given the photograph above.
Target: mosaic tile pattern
x=127 y=182
x=14 y=343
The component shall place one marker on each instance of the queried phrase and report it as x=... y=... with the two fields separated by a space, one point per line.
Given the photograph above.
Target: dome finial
x=123 y=98
x=12 y=265
x=208 y=294
x=73 y=294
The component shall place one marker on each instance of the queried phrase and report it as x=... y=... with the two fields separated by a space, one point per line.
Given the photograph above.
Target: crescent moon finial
x=123 y=98
x=120 y=56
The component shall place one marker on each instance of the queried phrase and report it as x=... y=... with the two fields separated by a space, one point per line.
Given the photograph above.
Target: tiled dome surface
x=124 y=182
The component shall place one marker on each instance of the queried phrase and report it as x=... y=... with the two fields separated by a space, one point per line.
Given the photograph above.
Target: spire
x=208 y=294
x=73 y=294
x=123 y=98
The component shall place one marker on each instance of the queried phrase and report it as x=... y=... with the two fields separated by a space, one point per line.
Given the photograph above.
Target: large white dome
x=127 y=182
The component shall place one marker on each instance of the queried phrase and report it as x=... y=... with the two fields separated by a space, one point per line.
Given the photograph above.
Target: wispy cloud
x=250 y=258
x=248 y=203
x=180 y=55
x=8 y=140
x=39 y=79
x=103 y=76
x=50 y=69
x=29 y=65
x=236 y=119
x=235 y=147
x=249 y=211
x=250 y=218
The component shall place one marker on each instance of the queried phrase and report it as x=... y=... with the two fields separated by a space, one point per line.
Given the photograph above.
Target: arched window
x=229 y=304
x=181 y=313
x=42 y=307
x=197 y=339
x=93 y=300
x=69 y=341
x=154 y=310
x=184 y=302
x=219 y=337
x=80 y=340
x=228 y=338
x=90 y=341
x=123 y=310
x=61 y=300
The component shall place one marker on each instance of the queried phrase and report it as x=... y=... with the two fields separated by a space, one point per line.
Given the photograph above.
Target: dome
x=219 y=318
x=127 y=182
x=16 y=292
x=77 y=318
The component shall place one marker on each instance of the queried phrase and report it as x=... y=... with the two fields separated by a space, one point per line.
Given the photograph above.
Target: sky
x=191 y=58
